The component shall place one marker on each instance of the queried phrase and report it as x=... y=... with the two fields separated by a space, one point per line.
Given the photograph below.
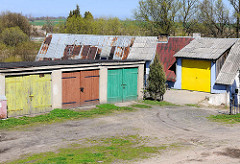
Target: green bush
x=13 y=36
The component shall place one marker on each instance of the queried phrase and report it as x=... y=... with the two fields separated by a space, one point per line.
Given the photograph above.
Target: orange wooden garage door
x=80 y=88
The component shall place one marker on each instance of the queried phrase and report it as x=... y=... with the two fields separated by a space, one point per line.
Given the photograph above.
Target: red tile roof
x=165 y=52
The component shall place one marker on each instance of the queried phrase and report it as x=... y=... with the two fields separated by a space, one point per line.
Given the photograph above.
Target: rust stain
x=46 y=44
x=113 y=41
x=119 y=52
x=76 y=50
x=47 y=59
x=92 y=53
x=71 y=51
x=98 y=55
x=112 y=53
x=126 y=53
x=85 y=51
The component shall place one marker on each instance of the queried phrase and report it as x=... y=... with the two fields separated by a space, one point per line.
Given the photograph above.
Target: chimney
x=196 y=35
x=162 y=38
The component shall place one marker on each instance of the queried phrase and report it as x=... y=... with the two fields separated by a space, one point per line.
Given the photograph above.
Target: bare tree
x=236 y=6
x=188 y=14
x=159 y=13
x=215 y=17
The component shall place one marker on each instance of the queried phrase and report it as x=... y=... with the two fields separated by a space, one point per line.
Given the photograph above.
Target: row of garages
x=42 y=86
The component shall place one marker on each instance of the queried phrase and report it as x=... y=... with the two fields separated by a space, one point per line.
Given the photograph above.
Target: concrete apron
x=183 y=97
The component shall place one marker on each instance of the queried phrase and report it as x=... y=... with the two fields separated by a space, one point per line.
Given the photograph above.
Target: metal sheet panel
x=114 y=91
x=59 y=42
x=209 y=48
x=130 y=76
x=166 y=52
x=196 y=75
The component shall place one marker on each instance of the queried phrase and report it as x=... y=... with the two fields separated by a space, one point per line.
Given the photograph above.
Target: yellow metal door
x=40 y=95
x=196 y=75
x=28 y=94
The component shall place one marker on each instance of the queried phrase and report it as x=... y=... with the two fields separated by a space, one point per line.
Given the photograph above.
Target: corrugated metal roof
x=62 y=46
x=166 y=52
x=206 y=48
x=230 y=67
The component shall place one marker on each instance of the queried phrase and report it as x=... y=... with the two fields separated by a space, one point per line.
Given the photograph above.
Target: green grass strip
x=141 y=106
x=224 y=118
x=159 y=103
x=62 y=114
x=107 y=150
x=193 y=105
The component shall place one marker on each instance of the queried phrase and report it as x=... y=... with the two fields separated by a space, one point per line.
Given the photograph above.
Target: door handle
x=31 y=96
x=82 y=89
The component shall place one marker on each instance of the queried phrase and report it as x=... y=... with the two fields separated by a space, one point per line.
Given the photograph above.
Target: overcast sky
x=99 y=8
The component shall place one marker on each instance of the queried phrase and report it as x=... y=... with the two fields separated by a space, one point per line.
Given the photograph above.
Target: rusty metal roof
x=95 y=47
x=166 y=52
x=230 y=67
x=206 y=48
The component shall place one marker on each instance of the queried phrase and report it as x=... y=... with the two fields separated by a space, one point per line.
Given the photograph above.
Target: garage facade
x=199 y=63
x=37 y=87
x=122 y=84
x=80 y=88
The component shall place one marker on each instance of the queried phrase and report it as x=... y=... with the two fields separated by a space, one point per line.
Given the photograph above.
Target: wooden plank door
x=40 y=94
x=71 y=89
x=17 y=94
x=28 y=94
x=89 y=87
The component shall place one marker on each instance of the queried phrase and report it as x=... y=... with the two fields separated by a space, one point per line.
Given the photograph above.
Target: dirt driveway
x=202 y=141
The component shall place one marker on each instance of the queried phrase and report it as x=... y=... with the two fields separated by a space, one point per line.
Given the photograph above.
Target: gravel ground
x=202 y=141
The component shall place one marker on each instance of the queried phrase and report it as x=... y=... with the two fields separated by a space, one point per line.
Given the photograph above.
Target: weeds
x=62 y=114
x=230 y=119
x=159 y=103
x=106 y=150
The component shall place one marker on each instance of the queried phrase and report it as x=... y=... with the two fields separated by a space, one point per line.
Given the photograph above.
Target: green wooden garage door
x=122 y=84
x=28 y=94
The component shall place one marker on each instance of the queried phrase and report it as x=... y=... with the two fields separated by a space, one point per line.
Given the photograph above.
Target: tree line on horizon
x=211 y=18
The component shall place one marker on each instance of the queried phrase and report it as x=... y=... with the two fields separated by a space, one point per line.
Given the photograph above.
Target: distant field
x=42 y=22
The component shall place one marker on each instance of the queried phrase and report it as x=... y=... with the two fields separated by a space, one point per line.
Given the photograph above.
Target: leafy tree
x=88 y=15
x=75 y=12
x=13 y=36
x=156 y=80
x=9 y=19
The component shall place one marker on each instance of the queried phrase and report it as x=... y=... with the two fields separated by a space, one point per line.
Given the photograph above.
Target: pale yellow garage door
x=196 y=75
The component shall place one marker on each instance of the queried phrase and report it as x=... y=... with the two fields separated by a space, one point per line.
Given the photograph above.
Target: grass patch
x=193 y=105
x=159 y=103
x=224 y=118
x=107 y=150
x=141 y=106
x=57 y=115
